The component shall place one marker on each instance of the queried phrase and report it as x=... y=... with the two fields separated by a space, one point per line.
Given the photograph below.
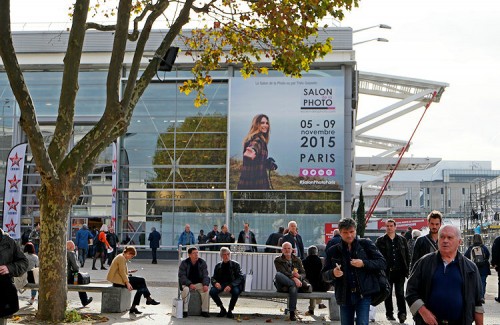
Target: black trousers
x=138 y=284
x=397 y=281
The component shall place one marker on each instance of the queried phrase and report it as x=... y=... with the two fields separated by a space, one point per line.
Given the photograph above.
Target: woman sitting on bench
x=119 y=275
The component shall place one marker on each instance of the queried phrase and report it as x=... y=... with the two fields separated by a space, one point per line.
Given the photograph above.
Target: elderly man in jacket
x=227 y=278
x=290 y=276
x=444 y=286
x=353 y=265
x=193 y=275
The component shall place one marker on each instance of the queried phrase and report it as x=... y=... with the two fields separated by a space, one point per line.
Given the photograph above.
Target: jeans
x=360 y=306
x=235 y=293
x=397 y=281
x=483 y=281
x=284 y=281
x=82 y=254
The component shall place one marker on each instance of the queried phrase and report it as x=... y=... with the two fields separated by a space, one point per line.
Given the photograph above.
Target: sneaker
x=205 y=314
x=152 y=302
x=184 y=314
x=230 y=314
x=402 y=317
x=135 y=311
x=103 y=268
x=88 y=301
x=390 y=317
x=94 y=268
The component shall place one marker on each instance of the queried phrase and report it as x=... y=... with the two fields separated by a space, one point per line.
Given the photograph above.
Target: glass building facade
x=172 y=162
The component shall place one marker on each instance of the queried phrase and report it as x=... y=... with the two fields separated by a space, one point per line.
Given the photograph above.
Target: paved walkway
x=162 y=281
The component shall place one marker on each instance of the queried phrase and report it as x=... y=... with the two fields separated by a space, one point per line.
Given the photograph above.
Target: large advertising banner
x=14 y=191
x=287 y=133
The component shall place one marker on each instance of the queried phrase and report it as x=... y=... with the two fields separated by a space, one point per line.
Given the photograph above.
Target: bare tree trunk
x=54 y=212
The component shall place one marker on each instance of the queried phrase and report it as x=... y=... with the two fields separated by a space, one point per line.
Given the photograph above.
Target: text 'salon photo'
x=287 y=133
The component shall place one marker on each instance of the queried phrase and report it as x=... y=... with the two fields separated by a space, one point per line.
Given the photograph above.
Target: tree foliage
x=360 y=215
x=280 y=32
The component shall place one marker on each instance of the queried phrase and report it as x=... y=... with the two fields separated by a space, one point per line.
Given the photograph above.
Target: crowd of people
x=443 y=286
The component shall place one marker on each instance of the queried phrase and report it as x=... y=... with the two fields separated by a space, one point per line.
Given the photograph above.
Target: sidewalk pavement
x=162 y=282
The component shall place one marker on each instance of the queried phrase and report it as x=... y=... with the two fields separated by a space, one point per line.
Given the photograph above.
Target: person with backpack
x=480 y=255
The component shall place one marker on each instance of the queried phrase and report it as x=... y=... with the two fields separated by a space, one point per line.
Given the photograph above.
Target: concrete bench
x=114 y=299
x=334 y=309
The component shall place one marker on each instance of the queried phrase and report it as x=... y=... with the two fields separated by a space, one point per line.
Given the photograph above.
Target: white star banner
x=13 y=191
x=114 y=187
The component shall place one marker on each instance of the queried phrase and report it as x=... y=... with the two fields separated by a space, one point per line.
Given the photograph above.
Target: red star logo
x=13 y=182
x=15 y=160
x=11 y=226
x=13 y=205
x=114 y=163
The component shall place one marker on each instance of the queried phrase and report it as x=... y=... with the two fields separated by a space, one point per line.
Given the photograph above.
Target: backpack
x=477 y=255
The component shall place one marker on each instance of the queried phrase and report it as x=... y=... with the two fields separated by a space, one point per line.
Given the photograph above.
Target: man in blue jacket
x=83 y=236
x=187 y=237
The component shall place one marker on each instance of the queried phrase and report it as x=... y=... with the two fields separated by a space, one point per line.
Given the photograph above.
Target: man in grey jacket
x=445 y=287
x=193 y=275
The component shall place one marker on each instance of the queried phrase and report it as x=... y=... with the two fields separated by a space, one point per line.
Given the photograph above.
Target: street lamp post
x=384 y=26
x=378 y=39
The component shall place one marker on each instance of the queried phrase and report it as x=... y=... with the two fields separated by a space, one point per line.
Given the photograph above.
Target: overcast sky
x=445 y=41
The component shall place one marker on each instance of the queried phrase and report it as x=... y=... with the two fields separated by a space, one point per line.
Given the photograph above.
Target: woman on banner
x=255 y=161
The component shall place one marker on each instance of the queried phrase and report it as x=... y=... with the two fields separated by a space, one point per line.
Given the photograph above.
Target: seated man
x=290 y=276
x=313 y=266
x=72 y=269
x=193 y=275
x=227 y=278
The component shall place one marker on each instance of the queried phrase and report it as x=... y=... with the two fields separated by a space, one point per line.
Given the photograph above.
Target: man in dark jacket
x=73 y=268
x=247 y=236
x=394 y=248
x=295 y=239
x=212 y=237
x=313 y=266
x=112 y=239
x=495 y=262
x=193 y=275
x=334 y=240
x=154 y=243
x=12 y=263
x=273 y=240
x=225 y=236
x=227 y=278
x=290 y=276
x=452 y=297
x=428 y=243
x=352 y=266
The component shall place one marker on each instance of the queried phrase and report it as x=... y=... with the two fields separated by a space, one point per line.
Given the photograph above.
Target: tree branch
x=69 y=88
x=205 y=9
x=18 y=85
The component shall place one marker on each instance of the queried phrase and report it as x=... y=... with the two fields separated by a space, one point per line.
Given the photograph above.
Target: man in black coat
x=154 y=243
x=13 y=263
x=212 y=237
x=495 y=262
x=247 y=236
x=428 y=243
x=273 y=240
x=227 y=278
x=313 y=266
x=394 y=248
x=334 y=240
x=73 y=268
x=295 y=239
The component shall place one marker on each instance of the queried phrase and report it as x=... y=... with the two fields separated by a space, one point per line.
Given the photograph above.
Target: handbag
x=385 y=288
x=248 y=281
x=83 y=278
